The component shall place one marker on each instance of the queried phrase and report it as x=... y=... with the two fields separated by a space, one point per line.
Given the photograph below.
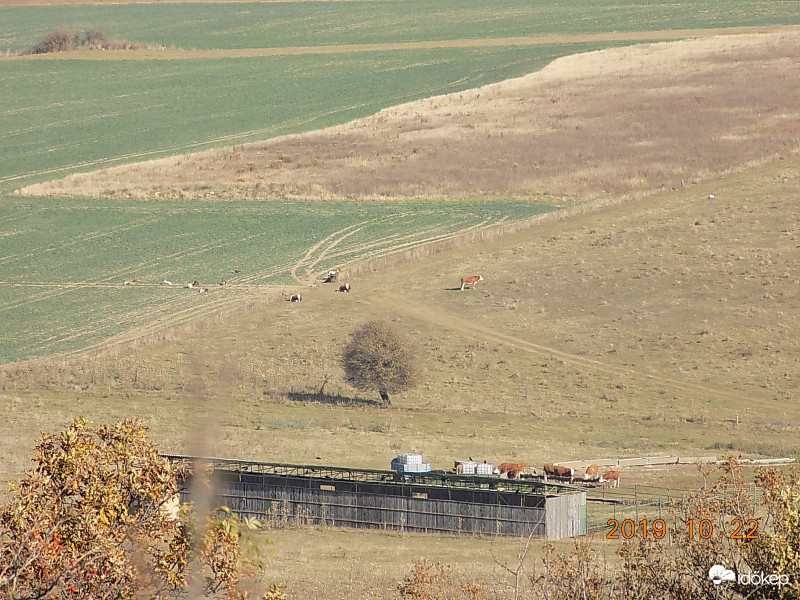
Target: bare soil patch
x=626 y=121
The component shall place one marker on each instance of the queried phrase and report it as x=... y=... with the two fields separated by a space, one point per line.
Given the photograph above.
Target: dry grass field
x=625 y=121
x=664 y=323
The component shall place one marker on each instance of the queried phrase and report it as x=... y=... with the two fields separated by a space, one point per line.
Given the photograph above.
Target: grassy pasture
x=282 y=24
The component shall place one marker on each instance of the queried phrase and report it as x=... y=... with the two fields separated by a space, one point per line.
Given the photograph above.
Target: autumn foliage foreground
x=661 y=569
x=97 y=517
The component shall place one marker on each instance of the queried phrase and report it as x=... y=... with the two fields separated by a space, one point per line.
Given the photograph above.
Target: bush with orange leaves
x=89 y=521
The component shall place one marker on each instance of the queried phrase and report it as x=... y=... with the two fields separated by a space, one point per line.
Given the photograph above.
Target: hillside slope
x=622 y=121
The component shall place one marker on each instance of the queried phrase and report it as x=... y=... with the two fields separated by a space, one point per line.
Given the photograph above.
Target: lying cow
x=345 y=287
x=332 y=275
x=296 y=298
x=470 y=280
x=611 y=478
x=558 y=472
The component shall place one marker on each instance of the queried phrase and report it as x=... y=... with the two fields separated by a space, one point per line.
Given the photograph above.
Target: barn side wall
x=400 y=507
x=566 y=516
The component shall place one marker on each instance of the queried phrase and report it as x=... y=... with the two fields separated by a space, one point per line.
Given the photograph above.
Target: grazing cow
x=558 y=472
x=129 y=282
x=592 y=473
x=223 y=282
x=296 y=298
x=332 y=275
x=611 y=478
x=471 y=280
x=165 y=282
x=194 y=284
x=345 y=287
x=237 y=270
x=510 y=470
x=203 y=290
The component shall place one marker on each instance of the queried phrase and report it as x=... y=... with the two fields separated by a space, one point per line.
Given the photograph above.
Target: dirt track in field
x=173 y=54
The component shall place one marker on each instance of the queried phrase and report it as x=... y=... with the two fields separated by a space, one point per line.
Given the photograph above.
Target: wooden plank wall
x=269 y=501
x=566 y=516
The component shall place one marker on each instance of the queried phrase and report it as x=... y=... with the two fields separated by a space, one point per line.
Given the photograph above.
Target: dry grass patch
x=633 y=120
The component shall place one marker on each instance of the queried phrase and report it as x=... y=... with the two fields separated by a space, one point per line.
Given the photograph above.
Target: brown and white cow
x=592 y=473
x=470 y=280
x=129 y=282
x=345 y=287
x=558 y=472
x=611 y=478
x=510 y=470
x=296 y=298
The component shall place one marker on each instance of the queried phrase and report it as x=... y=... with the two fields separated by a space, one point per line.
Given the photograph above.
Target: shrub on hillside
x=63 y=40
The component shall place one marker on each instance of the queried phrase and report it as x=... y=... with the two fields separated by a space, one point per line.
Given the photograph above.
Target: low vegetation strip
x=229 y=25
x=160 y=53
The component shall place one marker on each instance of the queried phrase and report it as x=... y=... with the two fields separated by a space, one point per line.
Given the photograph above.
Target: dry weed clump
x=632 y=120
x=64 y=40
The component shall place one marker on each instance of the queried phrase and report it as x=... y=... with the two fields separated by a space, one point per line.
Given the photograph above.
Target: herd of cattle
x=554 y=472
x=331 y=277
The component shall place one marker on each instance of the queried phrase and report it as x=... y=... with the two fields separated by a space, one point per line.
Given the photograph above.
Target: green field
x=282 y=24
x=63 y=292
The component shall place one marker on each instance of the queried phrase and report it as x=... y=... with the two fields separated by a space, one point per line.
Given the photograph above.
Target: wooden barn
x=435 y=502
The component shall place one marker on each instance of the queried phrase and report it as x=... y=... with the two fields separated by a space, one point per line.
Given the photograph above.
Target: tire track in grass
x=316 y=247
x=86 y=237
x=103 y=279
x=138 y=320
x=416 y=243
x=451 y=322
x=183 y=307
x=182 y=148
x=309 y=267
x=173 y=320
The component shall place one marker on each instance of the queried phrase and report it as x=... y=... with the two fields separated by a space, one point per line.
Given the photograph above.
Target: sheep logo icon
x=718 y=574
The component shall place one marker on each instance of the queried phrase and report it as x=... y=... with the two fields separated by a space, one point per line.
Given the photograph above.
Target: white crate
x=484 y=469
x=467 y=466
x=409 y=458
x=404 y=468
